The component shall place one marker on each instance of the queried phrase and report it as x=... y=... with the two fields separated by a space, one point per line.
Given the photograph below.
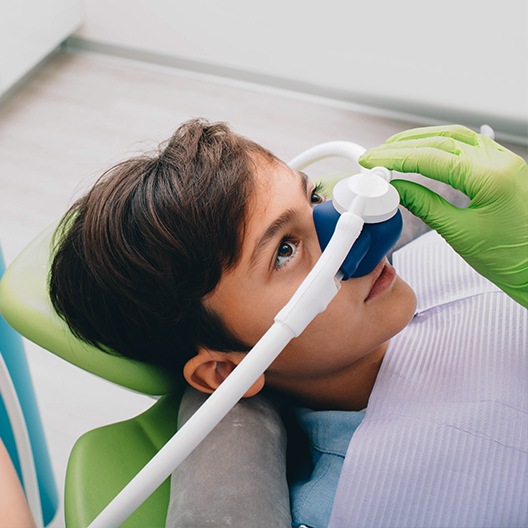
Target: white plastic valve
x=380 y=200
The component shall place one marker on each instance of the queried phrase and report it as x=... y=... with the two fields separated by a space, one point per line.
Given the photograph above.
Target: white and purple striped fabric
x=445 y=439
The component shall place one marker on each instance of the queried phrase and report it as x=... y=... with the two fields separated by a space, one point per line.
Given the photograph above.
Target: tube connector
x=382 y=172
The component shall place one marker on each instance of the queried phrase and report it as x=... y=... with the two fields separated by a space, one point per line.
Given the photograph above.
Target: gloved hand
x=491 y=234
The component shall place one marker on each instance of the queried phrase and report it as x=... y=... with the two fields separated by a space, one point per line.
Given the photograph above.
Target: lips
x=383 y=278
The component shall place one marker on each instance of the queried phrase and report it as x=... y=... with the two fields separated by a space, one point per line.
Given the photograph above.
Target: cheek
x=334 y=338
x=254 y=314
x=251 y=315
x=348 y=330
x=249 y=307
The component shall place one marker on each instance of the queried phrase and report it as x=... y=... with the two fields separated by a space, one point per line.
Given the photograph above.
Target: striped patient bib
x=445 y=439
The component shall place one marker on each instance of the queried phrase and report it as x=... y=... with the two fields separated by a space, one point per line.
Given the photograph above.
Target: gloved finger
x=458 y=132
x=434 y=210
x=436 y=158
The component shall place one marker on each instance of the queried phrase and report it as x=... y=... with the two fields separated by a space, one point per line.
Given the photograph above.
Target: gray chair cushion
x=237 y=475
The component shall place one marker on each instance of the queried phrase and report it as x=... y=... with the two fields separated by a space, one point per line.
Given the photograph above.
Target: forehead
x=273 y=177
x=276 y=187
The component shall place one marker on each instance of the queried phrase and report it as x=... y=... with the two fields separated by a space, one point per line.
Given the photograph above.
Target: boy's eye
x=317 y=196
x=285 y=251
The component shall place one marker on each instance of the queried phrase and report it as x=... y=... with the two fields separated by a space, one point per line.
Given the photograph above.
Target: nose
x=372 y=245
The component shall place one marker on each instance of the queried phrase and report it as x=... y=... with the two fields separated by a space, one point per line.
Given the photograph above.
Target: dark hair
x=135 y=256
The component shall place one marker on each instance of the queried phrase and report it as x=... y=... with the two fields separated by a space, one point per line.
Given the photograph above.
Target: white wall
x=448 y=59
x=30 y=30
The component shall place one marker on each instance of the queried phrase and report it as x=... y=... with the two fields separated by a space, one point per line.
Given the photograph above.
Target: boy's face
x=279 y=248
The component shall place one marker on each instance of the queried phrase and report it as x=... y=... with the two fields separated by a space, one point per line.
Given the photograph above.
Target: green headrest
x=25 y=304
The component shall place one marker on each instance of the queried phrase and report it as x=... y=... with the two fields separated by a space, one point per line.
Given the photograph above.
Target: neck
x=346 y=390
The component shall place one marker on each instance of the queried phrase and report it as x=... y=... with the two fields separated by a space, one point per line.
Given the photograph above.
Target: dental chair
x=103 y=460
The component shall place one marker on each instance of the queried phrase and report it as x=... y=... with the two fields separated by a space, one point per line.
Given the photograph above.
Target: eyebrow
x=278 y=224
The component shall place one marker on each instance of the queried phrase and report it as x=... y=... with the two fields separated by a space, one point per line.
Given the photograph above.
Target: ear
x=208 y=369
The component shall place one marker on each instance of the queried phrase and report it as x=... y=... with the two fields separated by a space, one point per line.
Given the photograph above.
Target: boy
x=184 y=258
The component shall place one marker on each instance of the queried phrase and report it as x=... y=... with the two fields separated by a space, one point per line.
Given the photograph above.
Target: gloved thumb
x=434 y=210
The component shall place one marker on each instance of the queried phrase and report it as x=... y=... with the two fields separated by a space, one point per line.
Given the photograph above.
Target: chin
x=397 y=309
x=406 y=301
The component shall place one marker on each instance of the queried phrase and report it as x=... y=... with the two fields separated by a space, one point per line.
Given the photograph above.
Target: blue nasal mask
x=373 y=243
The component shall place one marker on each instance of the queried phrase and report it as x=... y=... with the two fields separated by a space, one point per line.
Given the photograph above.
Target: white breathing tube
x=363 y=197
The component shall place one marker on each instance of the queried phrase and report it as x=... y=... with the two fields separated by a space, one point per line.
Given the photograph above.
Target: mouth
x=383 y=278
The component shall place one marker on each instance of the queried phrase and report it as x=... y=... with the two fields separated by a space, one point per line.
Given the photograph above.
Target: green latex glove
x=491 y=234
